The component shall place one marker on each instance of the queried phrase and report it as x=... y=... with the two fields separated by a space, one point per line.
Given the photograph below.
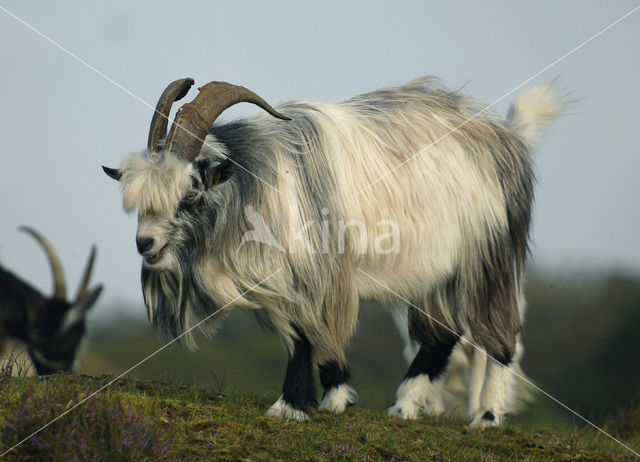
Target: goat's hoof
x=405 y=411
x=282 y=410
x=485 y=419
x=338 y=399
x=434 y=409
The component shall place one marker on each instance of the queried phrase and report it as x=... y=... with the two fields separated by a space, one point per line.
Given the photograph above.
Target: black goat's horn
x=59 y=286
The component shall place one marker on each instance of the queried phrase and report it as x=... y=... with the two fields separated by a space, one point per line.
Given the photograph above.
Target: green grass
x=580 y=346
x=190 y=423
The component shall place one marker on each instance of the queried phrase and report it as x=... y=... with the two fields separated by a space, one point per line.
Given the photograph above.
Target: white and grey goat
x=51 y=327
x=446 y=183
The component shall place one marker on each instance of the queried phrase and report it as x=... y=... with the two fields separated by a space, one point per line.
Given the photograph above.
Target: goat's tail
x=532 y=111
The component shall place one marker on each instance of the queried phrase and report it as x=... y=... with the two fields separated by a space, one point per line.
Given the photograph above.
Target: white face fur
x=168 y=193
x=158 y=186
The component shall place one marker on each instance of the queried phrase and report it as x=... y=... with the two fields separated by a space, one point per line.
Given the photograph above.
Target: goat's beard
x=176 y=302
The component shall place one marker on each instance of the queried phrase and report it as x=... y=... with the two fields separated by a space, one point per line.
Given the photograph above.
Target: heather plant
x=148 y=421
x=14 y=364
x=105 y=428
x=346 y=453
x=6 y=370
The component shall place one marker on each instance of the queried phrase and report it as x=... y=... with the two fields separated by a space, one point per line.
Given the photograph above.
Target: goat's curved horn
x=194 y=119
x=114 y=173
x=84 y=285
x=159 y=122
x=59 y=287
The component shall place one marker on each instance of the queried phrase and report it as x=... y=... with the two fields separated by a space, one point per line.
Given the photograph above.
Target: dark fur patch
x=428 y=329
x=332 y=375
x=299 y=390
x=489 y=416
x=16 y=295
x=517 y=178
x=432 y=358
x=498 y=319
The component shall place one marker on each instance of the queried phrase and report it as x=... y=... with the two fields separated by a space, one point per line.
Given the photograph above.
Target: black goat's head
x=54 y=326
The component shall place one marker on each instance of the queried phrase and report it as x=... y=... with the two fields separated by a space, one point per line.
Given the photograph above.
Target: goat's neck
x=16 y=298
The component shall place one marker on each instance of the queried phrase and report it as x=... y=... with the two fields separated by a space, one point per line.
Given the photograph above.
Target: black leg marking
x=332 y=375
x=299 y=390
x=432 y=359
x=488 y=416
x=338 y=395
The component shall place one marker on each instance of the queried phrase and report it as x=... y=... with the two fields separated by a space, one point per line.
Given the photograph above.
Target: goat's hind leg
x=477 y=373
x=421 y=390
x=495 y=395
x=501 y=392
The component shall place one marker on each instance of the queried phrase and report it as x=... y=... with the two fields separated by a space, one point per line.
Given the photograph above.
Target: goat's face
x=54 y=325
x=176 y=201
x=56 y=331
x=53 y=345
x=170 y=185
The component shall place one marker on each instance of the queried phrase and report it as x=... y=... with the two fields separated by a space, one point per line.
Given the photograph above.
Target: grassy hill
x=580 y=340
x=138 y=420
x=581 y=346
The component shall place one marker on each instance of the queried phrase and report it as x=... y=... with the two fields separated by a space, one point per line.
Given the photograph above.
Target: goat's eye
x=189 y=200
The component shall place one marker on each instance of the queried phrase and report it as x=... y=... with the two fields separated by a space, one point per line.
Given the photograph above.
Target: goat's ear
x=114 y=173
x=216 y=174
x=79 y=309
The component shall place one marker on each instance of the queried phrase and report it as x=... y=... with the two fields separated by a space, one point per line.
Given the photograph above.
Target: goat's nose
x=143 y=244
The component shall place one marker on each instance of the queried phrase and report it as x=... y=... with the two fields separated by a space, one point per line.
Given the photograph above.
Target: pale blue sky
x=60 y=121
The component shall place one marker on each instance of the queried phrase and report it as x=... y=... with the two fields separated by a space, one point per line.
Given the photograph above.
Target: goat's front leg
x=298 y=390
x=338 y=394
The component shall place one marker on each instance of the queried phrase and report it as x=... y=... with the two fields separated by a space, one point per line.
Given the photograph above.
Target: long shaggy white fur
x=461 y=201
x=532 y=111
x=417 y=396
x=154 y=184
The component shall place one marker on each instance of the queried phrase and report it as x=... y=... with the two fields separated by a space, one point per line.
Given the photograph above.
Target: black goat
x=51 y=327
